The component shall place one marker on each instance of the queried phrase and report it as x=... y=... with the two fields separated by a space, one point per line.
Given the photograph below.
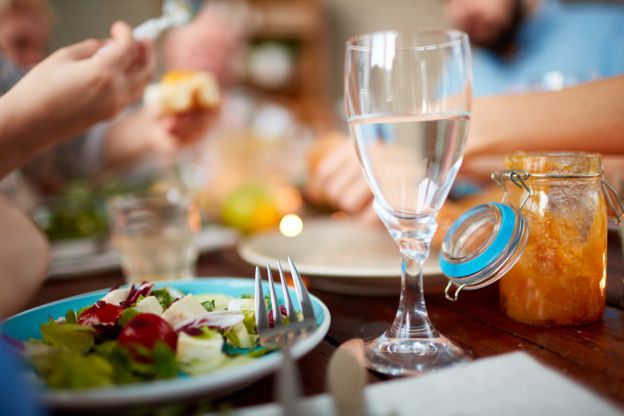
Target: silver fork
x=282 y=335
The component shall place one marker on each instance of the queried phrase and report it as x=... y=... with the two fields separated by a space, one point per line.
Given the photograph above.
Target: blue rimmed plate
x=26 y=325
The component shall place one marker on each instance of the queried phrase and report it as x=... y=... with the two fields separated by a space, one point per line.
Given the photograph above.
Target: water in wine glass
x=411 y=161
x=407 y=99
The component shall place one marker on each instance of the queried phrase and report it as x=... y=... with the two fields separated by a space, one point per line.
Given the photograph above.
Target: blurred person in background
x=60 y=97
x=585 y=117
x=515 y=42
x=117 y=143
x=25 y=27
x=519 y=45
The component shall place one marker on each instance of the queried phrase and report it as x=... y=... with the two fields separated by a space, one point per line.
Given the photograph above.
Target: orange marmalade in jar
x=561 y=275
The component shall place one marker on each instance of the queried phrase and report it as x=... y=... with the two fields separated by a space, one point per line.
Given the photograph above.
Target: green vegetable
x=141 y=363
x=260 y=352
x=239 y=337
x=126 y=316
x=208 y=333
x=77 y=212
x=78 y=338
x=139 y=299
x=164 y=297
x=160 y=362
x=249 y=321
x=81 y=310
x=75 y=371
x=209 y=305
x=65 y=369
x=164 y=359
x=70 y=317
x=120 y=360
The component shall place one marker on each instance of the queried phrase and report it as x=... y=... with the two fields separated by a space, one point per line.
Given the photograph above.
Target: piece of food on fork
x=182 y=91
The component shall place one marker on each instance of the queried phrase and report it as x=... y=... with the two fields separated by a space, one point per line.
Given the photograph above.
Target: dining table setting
x=515 y=307
x=585 y=359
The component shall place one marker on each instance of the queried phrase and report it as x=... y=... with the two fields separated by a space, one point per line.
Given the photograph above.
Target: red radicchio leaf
x=144 y=289
x=283 y=311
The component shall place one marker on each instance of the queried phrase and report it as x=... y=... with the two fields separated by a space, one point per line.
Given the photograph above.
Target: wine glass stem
x=411 y=320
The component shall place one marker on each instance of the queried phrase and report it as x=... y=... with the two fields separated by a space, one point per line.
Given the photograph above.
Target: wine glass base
x=412 y=356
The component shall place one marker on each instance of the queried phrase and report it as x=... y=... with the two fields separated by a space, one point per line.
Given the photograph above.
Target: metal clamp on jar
x=547 y=237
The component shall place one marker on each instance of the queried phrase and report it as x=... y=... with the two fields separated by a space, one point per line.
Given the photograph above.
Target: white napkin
x=510 y=384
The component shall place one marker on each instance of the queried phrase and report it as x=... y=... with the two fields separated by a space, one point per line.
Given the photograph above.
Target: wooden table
x=592 y=355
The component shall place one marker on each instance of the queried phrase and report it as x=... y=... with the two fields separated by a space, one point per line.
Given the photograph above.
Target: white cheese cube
x=238 y=305
x=206 y=351
x=149 y=305
x=116 y=296
x=186 y=308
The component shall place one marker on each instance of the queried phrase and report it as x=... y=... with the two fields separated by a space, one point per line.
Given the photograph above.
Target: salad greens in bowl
x=147 y=342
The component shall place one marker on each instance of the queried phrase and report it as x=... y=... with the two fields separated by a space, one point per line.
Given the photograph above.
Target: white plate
x=336 y=255
x=26 y=325
x=84 y=256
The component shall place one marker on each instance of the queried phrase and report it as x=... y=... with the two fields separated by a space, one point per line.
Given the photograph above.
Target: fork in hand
x=282 y=334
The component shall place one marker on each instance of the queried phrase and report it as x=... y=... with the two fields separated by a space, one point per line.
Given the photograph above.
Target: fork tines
x=280 y=332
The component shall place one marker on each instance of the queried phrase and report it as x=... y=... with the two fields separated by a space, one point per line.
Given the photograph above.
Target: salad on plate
x=141 y=333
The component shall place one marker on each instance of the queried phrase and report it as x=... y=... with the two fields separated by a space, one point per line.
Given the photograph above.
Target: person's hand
x=85 y=83
x=188 y=127
x=337 y=179
x=82 y=84
x=144 y=132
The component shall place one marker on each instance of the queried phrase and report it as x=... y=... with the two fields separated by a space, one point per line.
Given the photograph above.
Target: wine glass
x=408 y=100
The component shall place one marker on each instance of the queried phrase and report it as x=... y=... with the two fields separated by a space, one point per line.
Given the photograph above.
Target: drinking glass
x=155 y=235
x=408 y=100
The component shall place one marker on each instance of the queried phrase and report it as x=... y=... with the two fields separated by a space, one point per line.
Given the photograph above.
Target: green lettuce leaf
x=164 y=297
x=126 y=316
x=164 y=359
x=73 y=337
x=249 y=320
x=70 y=317
x=120 y=360
x=61 y=368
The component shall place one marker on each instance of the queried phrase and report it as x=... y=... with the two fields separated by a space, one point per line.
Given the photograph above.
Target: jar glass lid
x=481 y=246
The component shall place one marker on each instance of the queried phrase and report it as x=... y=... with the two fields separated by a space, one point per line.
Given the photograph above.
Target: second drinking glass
x=155 y=235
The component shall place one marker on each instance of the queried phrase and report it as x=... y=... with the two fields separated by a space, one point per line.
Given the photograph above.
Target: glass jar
x=546 y=241
x=560 y=278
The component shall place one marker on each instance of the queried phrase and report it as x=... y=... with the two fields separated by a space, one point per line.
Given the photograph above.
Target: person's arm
x=70 y=91
x=24 y=254
x=587 y=117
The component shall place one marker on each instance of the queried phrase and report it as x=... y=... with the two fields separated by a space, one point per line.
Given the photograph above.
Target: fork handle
x=288 y=384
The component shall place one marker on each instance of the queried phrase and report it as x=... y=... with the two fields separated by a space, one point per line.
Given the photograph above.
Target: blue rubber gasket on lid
x=505 y=233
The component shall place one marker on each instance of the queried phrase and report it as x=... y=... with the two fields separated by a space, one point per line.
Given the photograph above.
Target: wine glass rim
x=454 y=38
